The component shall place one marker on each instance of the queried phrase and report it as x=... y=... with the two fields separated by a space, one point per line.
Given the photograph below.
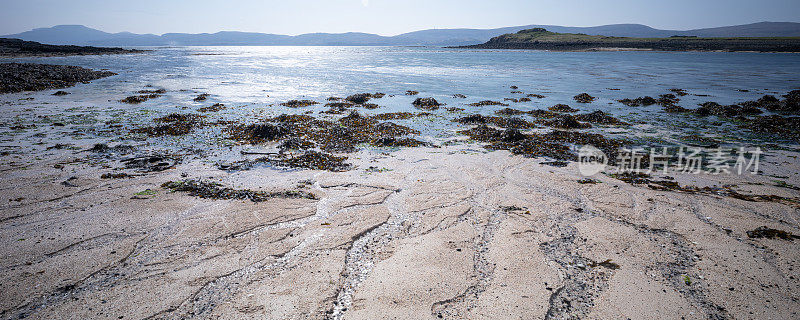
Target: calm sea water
x=256 y=79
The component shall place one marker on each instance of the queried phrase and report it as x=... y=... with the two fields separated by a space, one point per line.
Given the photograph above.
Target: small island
x=541 y=39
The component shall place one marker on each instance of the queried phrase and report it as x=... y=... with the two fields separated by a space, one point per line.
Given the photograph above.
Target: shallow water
x=251 y=81
x=269 y=74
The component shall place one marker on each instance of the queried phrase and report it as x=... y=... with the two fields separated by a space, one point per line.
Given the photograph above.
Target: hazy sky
x=385 y=17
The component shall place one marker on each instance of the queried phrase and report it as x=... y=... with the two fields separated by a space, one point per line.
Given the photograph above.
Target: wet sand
x=431 y=236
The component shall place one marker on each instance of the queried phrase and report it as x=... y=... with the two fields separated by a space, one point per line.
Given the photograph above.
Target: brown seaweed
x=487 y=103
x=562 y=108
x=584 y=98
x=299 y=103
x=213 y=108
x=600 y=117
x=426 y=103
x=770 y=233
x=213 y=190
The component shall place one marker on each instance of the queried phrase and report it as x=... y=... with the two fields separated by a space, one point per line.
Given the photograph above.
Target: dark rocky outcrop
x=20 y=48
x=18 y=77
x=584 y=98
x=427 y=103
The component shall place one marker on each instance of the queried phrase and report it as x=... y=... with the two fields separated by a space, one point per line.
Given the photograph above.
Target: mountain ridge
x=82 y=35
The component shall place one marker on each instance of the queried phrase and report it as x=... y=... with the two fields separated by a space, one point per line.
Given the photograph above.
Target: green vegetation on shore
x=541 y=39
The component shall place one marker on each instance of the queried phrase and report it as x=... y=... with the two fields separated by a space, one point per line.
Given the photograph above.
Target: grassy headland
x=541 y=39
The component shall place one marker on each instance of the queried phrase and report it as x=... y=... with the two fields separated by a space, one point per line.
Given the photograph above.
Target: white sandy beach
x=429 y=236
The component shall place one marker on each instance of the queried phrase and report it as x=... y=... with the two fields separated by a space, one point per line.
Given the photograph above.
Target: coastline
x=20 y=77
x=541 y=39
x=16 y=48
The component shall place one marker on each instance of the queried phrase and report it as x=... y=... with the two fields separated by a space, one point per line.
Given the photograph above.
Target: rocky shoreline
x=21 y=48
x=18 y=77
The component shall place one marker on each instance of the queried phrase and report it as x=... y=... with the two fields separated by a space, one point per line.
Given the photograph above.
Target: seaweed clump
x=397 y=142
x=508 y=112
x=140 y=98
x=555 y=144
x=213 y=108
x=515 y=123
x=671 y=108
x=357 y=129
x=667 y=99
x=259 y=132
x=584 y=98
x=305 y=132
x=502 y=122
x=174 y=124
x=340 y=136
x=481 y=133
x=605 y=264
x=337 y=107
x=119 y=175
x=679 y=92
x=299 y=103
x=143 y=96
x=393 y=129
x=426 y=103
x=201 y=97
x=313 y=160
x=713 y=108
x=157 y=91
x=179 y=117
x=152 y=163
x=566 y=121
x=362 y=98
x=487 y=103
x=542 y=114
x=783 y=127
x=770 y=233
x=212 y=190
x=309 y=159
x=530 y=146
x=600 y=117
x=790 y=102
x=641 y=101
x=562 y=108
x=296 y=143
x=395 y=116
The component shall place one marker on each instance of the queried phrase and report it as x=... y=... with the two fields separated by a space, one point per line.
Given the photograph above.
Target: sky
x=384 y=17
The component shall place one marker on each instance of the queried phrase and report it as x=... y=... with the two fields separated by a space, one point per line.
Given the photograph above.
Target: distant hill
x=543 y=39
x=761 y=29
x=82 y=35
